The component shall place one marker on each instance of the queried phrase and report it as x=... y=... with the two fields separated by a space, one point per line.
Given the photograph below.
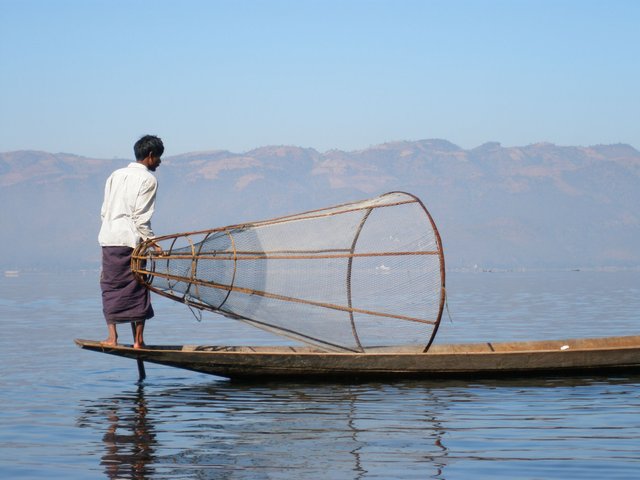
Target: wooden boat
x=555 y=357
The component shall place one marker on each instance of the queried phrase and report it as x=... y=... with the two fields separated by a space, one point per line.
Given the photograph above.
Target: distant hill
x=537 y=206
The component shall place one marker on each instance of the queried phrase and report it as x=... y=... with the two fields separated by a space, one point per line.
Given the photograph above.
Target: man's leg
x=137 y=328
x=112 y=339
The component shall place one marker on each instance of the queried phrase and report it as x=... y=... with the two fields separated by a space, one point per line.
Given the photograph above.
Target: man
x=129 y=202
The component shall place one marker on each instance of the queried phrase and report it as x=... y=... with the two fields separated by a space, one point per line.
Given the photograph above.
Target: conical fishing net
x=349 y=278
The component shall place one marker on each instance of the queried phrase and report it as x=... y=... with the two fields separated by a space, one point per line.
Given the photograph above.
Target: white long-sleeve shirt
x=129 y=202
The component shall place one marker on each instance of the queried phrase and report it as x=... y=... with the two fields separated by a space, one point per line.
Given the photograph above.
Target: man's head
x=148 y=151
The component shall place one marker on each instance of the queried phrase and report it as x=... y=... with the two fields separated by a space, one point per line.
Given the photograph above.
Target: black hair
x=148 y=145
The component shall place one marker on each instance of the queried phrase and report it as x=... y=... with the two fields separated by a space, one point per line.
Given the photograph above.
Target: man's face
x=153 y=162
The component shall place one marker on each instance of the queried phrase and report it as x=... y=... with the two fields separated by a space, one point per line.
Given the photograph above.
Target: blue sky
x=90 y=76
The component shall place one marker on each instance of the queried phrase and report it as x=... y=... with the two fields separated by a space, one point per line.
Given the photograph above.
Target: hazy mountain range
x=537 y=206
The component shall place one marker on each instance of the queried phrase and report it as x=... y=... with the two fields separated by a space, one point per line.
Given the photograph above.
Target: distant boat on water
x=11 y=273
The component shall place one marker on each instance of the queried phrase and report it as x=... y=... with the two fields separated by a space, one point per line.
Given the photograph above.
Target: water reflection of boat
x=405 y=429
x=593 y=356
x=223 y=430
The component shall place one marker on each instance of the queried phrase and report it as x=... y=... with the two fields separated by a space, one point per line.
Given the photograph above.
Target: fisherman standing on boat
x=129 y=202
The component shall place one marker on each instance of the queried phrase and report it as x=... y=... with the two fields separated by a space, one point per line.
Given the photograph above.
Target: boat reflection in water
x=244 y=431
x=408 y=429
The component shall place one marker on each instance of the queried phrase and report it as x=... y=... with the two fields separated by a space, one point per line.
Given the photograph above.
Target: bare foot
x=112 y=338
x=137 y=328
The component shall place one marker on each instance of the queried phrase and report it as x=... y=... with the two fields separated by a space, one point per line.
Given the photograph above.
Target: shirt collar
x=137 y=165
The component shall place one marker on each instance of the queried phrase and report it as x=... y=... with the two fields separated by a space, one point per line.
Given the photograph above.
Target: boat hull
x=556 y=357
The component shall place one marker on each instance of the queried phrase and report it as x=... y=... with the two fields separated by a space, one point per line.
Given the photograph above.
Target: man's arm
x=145 y=206
x=105 y=200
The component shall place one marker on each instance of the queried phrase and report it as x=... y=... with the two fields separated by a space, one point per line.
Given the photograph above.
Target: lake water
x=73 y=414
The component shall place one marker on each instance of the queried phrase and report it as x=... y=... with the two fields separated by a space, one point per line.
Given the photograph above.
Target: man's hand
x=157 y=248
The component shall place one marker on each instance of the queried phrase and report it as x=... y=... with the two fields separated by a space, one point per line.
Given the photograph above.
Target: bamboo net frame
x=345 y=278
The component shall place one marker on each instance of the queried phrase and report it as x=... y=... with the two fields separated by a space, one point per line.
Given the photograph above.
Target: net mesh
x=349 y=278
